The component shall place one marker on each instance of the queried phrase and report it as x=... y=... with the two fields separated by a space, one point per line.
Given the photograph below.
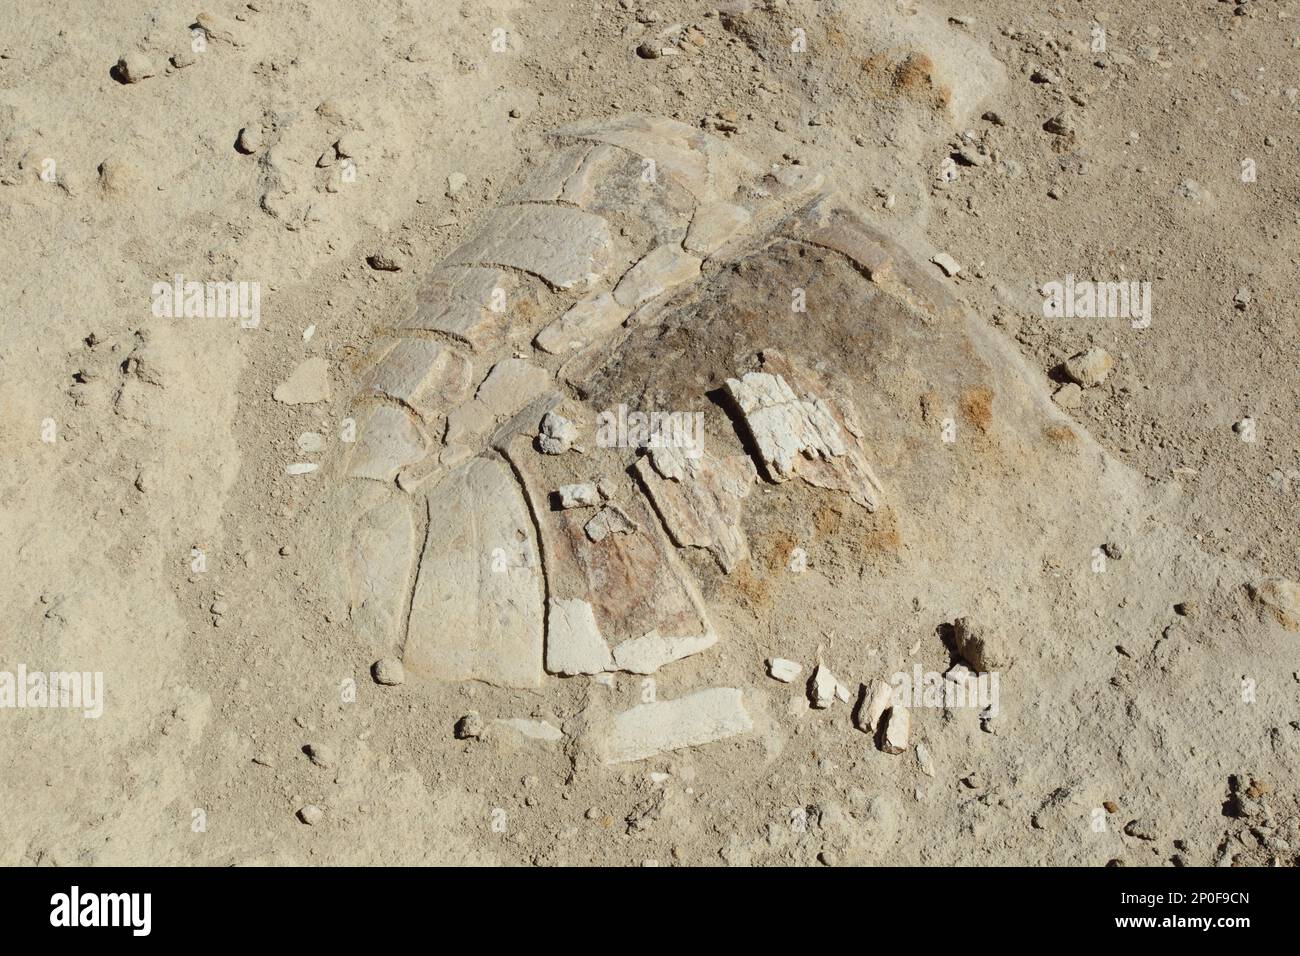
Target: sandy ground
x=149 y=532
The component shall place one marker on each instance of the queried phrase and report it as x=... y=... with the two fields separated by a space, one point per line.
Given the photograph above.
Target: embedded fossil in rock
x=518 y=553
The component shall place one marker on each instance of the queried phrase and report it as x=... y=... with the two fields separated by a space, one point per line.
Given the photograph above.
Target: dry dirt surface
x=775 y=432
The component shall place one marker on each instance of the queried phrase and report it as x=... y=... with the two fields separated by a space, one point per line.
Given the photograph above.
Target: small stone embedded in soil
x=530 y=729
x=322 y=755
x=1142 y=829
x=1069 y=395
x=556 y=435
x=219 y=28
x=947 y=263
x=385 y=260
x=824 y=688
x=783 y=670
x=581 y=495
x=873 y=700
x=924 y=761
x=1062 y=124
x=661 y=726
x=388 y=671
x=469 y=727
x=898 y=723
x=310 y=442
x=134 y=67
x=1088 y=368
x=249 y=140
x=979 y=647
x=311 y=814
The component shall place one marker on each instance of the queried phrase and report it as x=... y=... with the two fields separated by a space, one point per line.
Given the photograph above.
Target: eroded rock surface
x=703 y=717
x=478 y=610
x=798 y=433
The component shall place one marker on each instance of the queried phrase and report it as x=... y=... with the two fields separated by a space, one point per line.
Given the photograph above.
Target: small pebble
x=385 y=260
x=924 y=760
x=322 y=755
x=388 y=671
x=778 y=668
x=1088 y=368
x=250 y=139
x=134 y=67
x=556 y=435
x=1143 y=829
x=1062 y=124
x=947 y=263
x=309 y=442
x=469 y=727
x=1069 y=395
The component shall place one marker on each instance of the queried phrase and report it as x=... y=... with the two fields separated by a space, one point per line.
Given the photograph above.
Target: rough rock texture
x=564 y=246
x=666 y=725
x=800 y=434
x=478 y=607
x=699 y=500
x=387 y=440
x=574 y=644
x=587 y=321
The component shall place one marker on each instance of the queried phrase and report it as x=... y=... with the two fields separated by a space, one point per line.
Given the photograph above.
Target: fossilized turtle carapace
x=683 y=326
